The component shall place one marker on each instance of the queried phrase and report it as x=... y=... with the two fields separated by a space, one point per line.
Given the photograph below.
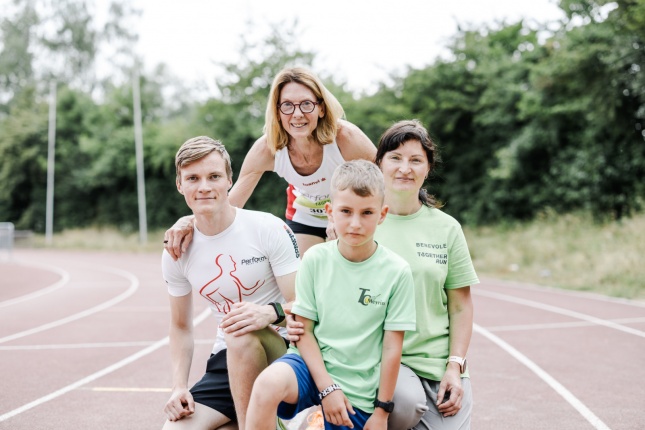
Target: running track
x=83 y=346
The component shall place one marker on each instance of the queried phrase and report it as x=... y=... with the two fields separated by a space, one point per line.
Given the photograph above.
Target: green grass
x=99 y=239
x=569 y=251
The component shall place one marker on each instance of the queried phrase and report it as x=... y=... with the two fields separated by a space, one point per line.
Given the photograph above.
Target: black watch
x=278 y=311
x=386 y=406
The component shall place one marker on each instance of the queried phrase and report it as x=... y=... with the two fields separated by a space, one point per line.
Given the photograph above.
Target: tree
x=236 y=117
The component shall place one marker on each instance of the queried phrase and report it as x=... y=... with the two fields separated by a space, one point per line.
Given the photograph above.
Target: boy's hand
x=336 y=406
x=378 y=420
x=294 y=329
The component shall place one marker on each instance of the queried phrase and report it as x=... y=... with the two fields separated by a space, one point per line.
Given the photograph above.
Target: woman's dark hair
x=410 y=130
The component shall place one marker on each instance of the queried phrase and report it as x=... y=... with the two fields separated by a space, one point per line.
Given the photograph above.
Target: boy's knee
x=272 y=385
x=265 y=388
x=266 y=380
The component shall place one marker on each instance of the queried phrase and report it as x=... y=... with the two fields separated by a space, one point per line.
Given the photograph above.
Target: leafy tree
x=236 y=117
x=585 y=115
x=23 y=162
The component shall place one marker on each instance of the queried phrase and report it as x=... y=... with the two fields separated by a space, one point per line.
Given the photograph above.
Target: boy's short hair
x=363 y=177
x=197 y=148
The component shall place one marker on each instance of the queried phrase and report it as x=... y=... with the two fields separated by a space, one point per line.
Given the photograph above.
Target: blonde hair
x=363 y=177
x=325 y=132
x=197 y=148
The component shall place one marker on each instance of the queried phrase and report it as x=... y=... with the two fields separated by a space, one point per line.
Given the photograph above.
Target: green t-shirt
x=434 y=245
x=351 y=305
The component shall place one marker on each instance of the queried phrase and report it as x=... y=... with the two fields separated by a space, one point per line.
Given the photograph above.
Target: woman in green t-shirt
x=433 y=243
x=433 y=382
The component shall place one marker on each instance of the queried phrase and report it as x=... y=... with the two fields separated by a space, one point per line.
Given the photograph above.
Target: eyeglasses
x=288 y=108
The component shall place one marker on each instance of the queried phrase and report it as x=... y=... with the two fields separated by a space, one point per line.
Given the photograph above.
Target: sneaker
x=316 y=421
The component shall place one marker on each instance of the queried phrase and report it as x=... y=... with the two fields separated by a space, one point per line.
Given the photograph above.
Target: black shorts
x=214 y=389
x=298 y=228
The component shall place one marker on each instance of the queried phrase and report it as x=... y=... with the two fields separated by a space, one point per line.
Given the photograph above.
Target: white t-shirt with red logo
x=238 y=264
x=307 y=195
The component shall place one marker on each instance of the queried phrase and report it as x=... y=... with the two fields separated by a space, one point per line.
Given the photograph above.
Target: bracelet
x=324 y=393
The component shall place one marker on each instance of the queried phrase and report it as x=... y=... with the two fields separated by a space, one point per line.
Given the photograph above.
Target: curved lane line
x=60 y=283
x=561 y=311
x=552 y=382
x=134 y=285
x=116 y=366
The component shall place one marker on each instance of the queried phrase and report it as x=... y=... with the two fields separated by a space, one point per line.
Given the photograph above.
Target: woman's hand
x=450 y=386
x=177 y=238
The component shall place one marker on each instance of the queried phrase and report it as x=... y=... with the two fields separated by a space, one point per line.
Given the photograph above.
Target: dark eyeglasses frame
x=298 y=106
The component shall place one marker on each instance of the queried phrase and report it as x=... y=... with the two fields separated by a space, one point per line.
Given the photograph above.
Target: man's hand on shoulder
x=178 y=237
x=246 y=317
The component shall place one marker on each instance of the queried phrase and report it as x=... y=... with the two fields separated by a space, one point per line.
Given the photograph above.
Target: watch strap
x=459 y=360
x=386 y=406
x=278 y=311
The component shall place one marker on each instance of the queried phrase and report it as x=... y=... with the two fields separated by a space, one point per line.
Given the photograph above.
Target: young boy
x=356 y=299
x=243 y=264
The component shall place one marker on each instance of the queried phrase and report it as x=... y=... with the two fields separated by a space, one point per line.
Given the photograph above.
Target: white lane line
x=92 y=345
x=130 y=390
x=561 y=311
x=552 y=382
x=572 y=293
x=116 y=366
x=56 y=285
x=521 y=327
x=134 y=285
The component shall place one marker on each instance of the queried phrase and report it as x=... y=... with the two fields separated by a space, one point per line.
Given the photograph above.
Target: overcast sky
x=358 y=41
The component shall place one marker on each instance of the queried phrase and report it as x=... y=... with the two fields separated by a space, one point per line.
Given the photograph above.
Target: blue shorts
x=308 y=395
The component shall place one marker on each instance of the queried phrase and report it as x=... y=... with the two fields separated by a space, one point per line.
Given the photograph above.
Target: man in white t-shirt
x=243 y=263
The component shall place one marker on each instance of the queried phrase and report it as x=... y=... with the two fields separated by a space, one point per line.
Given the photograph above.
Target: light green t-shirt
x=433 y=243
x=351 y=305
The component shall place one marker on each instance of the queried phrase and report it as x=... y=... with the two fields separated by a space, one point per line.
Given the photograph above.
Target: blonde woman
x=304 y=140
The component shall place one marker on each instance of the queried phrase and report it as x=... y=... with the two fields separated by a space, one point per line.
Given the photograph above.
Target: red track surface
x=80 y=349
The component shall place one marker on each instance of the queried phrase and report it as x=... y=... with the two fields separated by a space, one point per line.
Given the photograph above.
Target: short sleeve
x=461 y=272
x=401 y=310
x=171 y=271
x=282 y=247
x=305 y=304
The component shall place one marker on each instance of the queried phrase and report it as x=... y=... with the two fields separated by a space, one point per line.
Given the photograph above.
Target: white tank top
x=307 y=195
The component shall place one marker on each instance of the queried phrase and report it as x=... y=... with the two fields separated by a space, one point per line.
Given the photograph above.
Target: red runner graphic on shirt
x=212 y=290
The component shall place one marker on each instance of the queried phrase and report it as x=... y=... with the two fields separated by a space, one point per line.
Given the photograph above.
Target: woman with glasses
x=305 y=139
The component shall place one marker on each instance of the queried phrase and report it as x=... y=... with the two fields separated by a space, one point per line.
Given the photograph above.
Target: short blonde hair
x=325 y=132
x=363 y=177
x=197 y=148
